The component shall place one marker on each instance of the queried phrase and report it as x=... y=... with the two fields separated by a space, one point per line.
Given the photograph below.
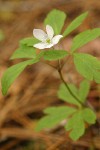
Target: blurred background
x=37 y=86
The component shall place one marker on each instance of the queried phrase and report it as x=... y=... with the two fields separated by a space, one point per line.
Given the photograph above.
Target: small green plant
x=86 y=65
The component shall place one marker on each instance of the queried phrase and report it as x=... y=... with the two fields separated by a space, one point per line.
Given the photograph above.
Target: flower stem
x=70 y=91
x=77 y=99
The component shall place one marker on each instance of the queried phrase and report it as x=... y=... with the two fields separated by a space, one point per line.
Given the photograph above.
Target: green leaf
x=65 y=95
x=12 y=73
x=89 y=116
x=78 y=131
x=84 y=90
x=84 y=37
x=56 y=19
x=76 y=125
x=97 y=77
x=24 y=52
x=55 y=54
x=54 y=117
x=51 y=110
x=75 y=23
x=88 y=66
x=30 y=41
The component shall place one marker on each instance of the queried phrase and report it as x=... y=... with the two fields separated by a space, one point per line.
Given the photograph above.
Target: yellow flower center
x=48 y=41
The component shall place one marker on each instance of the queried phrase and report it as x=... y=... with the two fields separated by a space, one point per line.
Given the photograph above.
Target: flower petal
x=40 y=34
x=50 y=31
x=56 y=39
x=40 y=45
x=49 y=45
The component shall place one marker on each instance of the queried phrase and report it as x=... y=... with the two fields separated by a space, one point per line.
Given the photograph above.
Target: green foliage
x=75 y=23
x=88 y=66
x=54 y=116
x=76 y=126
x=81 y=93
x=24 y=52
x=76 y=119
x=66 y=96
x=89 y=116
x=84 y=90
x=30 y=41
x=76 y=123
x=13 y=72
x=40 y=55
x=84 y=37
x=54 y=54
x=56 y=19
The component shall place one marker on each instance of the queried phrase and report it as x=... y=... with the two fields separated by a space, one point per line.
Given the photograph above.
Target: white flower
x=47 y=39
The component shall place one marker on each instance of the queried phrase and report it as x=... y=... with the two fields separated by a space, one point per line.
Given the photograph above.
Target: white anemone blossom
x=47 y=39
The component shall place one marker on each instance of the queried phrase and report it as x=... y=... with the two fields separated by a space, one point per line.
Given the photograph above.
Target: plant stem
x=61 y=76
x=70 y=91
x=77 y=99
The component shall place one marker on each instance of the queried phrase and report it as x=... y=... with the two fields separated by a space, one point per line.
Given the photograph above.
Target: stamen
x=48 y=41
